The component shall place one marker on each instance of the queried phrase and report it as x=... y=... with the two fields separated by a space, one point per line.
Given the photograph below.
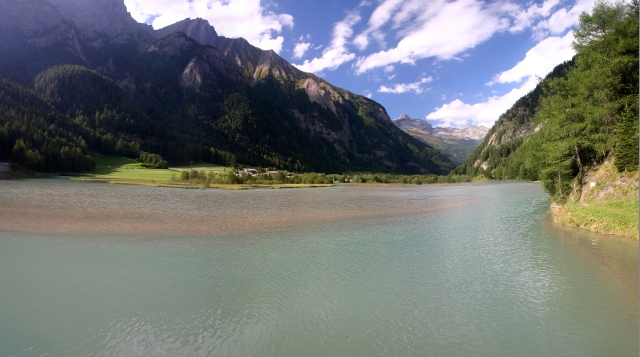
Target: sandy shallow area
x=67 y=207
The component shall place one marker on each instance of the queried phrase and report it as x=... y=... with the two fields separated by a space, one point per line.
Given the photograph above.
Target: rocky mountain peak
x=198 y=29
x=404 y=121
x=455 y=143
x=97 y=18
x=257 y=63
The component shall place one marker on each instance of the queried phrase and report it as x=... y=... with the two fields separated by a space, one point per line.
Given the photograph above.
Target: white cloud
x=457 y=113
x=380 y=16
x=539 y=60
x=231 y=18
x=367 y=94
x=300 y=48
x=389 y=69
x=444 y=29
x=466 y=23
x=415 y=87
x=562 y=19
x=337 y=53
x=525 y=18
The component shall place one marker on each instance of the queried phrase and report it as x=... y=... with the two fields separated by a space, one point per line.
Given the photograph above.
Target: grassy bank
x=607 y=203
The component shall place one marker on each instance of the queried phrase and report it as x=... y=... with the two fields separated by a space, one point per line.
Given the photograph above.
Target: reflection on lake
x=468 y=270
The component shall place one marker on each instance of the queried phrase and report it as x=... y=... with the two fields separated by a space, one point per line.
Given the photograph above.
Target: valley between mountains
x=81 y=80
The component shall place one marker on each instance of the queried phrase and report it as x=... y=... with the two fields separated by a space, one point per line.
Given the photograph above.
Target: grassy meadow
x=122 y=170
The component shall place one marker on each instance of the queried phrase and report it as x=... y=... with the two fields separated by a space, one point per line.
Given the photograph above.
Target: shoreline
x=605 y=202
x=602 y=216
x=607 y=226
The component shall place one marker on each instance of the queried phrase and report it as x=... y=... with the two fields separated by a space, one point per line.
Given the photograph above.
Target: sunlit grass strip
x=618 y=217
x=203 y=166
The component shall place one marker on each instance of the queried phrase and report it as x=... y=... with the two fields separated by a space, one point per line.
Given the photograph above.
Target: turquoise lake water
x=462 y=270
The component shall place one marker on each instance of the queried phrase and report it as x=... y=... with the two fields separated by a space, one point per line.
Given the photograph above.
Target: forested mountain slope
x=588 y=112
x=38 y=137
x=493 y=157
x=213 y=99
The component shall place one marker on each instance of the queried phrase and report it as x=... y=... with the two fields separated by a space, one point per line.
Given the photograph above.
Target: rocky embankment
x=606 y=201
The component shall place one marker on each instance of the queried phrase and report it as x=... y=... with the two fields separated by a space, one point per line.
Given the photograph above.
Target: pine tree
x=627 y=147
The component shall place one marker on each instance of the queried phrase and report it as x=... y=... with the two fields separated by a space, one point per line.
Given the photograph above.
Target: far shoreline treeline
x=283 y=177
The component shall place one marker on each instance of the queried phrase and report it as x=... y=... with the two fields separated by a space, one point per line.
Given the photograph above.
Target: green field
x=122 y=167
x=121 y=170
x=118 y=168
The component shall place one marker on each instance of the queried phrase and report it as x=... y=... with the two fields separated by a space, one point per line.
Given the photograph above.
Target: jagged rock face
x=41 y=23
x=321 y=94
x=99 y=18
x=201 y=66
x=31 y=17
x=63 y=34
x=171 y=46
x=33 y=36
x=275 y=65
x=462 y=133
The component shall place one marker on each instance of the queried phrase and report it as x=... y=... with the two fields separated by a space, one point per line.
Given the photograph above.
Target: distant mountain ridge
x=217 y=97
x=455 y=143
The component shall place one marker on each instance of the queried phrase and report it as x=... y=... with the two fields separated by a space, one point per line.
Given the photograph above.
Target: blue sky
x=451 y=62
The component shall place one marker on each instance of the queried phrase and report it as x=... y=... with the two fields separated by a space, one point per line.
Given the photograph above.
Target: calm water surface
x=470 y=270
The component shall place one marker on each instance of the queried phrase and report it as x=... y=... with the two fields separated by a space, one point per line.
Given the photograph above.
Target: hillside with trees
x=582 y=114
